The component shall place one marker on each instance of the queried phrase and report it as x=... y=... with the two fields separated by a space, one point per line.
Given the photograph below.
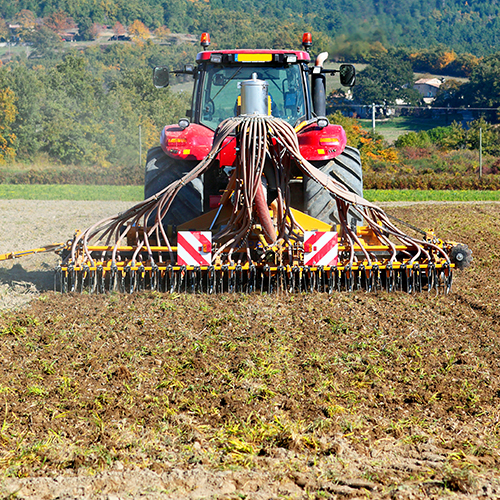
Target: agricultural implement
x=255 y=191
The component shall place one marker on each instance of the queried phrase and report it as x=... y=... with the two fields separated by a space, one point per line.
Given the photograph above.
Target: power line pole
x=140 y=146
x=480 y=152
x=373 y=117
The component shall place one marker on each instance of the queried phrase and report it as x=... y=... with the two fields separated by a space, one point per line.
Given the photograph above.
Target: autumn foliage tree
x=119 y=29
x=8 y=114
x=95 y=30
x=26 y=21
x=162 y=32
x=59 y=22
x=138 y=30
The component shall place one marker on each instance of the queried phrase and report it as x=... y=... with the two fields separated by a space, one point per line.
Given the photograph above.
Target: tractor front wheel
x=346 y=169
x=162 y=170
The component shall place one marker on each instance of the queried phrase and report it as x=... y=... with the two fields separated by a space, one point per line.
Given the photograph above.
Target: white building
x=428 y=87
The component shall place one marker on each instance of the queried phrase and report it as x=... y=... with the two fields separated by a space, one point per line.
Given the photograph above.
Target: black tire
x=161 y=170
x=345 y=168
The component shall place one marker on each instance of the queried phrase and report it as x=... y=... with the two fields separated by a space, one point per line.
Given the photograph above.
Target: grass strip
x=70 y=192
x=375 y=195
x=136 y=193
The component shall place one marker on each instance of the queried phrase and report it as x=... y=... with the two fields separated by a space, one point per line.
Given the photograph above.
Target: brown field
x=306 y=396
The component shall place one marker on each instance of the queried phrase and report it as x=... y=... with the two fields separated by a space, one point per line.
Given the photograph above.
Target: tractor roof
x=249 y=56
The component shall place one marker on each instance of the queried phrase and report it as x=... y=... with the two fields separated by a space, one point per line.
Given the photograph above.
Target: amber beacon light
x=205 y=40
x=307 y=41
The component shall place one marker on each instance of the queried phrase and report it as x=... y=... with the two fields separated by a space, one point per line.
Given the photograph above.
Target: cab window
x=221 y=90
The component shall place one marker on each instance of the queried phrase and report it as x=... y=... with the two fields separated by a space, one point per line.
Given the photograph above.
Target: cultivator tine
x=155 y=279
x=447 y=278
x=169 y=279
x=432 y=277
x=252 y=279
x=113 y=278
x=410 y=280
x=58 y=276
x=199 y=279
x=190 y=281
x=231 y=281
x=99 y=280
x=375 y=284
x=417 y=277
x=402 y=279
x=359 y=277
x=211 y=280
x=162 y=277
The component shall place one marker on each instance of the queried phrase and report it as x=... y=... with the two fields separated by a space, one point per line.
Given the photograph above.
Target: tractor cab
x=218 y=84
x=219 y=74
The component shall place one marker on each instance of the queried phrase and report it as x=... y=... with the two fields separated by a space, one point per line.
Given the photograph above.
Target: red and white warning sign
x=321 y=248
x=194 y=248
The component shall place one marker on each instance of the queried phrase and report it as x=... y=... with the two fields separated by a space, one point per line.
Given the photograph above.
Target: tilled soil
x=234 y=396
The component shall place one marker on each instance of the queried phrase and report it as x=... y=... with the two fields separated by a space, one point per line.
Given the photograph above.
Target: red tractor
x=255 y=191
x=296 y=94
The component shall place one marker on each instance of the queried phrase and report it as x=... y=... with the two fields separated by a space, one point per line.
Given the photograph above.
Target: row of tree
x=391 y=77
x=45 y=34
x=26 y=28
x=86 y=106
x=455 y=136
x=77 y=113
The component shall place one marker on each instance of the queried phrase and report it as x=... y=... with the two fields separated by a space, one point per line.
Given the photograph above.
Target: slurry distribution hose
x=263 y=141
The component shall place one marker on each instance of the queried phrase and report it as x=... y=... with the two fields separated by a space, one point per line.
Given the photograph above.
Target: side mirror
x=347 y=75
x=160 y=77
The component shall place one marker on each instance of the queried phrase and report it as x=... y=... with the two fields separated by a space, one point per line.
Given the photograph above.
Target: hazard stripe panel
x=194 y=248
x=321 y=248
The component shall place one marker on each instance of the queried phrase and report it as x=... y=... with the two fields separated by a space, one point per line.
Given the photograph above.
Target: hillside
x=463 y=26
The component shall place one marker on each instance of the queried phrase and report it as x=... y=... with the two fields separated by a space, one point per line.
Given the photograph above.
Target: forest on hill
x=92 y=104
x=472 y=27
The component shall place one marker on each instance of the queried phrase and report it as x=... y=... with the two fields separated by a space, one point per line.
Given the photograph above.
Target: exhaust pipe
x=319 y=85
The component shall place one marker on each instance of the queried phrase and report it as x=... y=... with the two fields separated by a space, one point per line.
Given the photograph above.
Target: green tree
x=46 y=43
x=385 y=80
x=72 y=125
x=29 y=89
x=136 y=102
x=87 y=29
x=490 y=137
x=413 y=140
x=483 y=89
x=446 y=138
x=4 y=31
x=449 y=94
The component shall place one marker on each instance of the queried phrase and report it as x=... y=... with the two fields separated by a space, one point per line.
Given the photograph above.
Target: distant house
x=68 y=36
x=428 y=87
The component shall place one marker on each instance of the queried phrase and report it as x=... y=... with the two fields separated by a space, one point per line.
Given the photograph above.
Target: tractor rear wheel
x=346 y=169
x=162 y=170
